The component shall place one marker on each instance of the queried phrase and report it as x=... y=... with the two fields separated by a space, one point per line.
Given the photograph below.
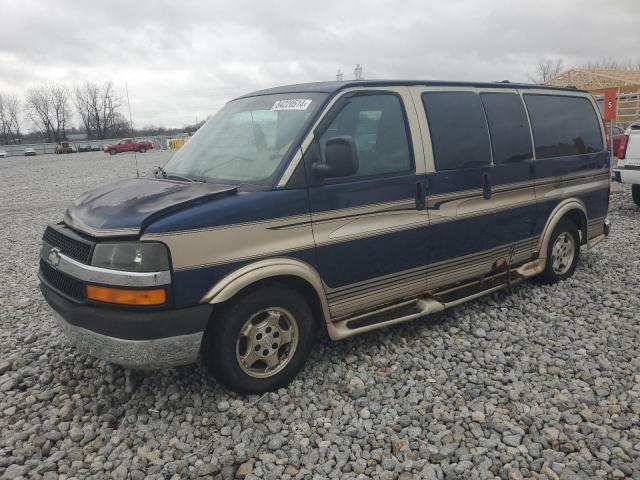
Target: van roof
x=334 y=86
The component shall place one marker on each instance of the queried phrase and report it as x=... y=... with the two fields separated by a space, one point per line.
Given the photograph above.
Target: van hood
x=125 y=208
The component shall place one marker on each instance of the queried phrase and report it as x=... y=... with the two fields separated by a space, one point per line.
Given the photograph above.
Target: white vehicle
x=3 y=154
x=628 y=168
x=29 y=152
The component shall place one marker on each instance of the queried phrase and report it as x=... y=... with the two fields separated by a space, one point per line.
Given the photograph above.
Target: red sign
x=610 y=104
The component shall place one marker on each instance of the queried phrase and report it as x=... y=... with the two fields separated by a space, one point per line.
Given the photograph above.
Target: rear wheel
x=635 y=193
x=260 y=341
x=563 y=252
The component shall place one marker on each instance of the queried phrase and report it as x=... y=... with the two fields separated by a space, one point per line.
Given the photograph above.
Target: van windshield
x=247 y=140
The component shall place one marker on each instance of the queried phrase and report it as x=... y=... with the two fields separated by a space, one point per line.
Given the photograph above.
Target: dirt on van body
x=541 y=381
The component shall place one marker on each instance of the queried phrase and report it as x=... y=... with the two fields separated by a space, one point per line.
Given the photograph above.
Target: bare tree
x=611 y=64
x=84 y=97
x=49 y=109
x=98 y=109
x=9 y=119
x=38 y=106
x=60 y=100
x=546 y=70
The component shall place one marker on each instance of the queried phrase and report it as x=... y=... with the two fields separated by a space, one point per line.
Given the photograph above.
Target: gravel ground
x=540 y=383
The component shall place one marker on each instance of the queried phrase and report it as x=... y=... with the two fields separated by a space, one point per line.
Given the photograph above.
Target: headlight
x=131 y=256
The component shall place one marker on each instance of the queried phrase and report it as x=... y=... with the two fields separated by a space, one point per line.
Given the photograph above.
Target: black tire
x=550 y=275
x=112 y=152
x=221 y=339
x=143 y=149
x=635 y=194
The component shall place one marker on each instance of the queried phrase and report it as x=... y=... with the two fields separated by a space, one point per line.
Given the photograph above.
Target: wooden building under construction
x=626 y=82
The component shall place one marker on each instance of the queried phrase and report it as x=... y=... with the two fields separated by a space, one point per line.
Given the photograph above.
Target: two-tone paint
x=365 y=245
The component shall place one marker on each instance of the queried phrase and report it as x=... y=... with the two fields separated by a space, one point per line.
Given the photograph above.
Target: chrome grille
x=72 y=247
x=62 y=282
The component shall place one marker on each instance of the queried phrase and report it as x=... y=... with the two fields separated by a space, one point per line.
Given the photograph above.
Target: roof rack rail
x=502 y=81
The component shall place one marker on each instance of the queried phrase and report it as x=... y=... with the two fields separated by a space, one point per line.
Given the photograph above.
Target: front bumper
x=132 y=338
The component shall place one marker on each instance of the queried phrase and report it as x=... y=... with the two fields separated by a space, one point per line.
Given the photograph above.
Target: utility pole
x=339 y=76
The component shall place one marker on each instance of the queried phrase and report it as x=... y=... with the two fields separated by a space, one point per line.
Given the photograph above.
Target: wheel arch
x=295 y=273
x=572 y=208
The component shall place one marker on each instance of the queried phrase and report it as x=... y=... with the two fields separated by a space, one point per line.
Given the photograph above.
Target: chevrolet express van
x=345 y=205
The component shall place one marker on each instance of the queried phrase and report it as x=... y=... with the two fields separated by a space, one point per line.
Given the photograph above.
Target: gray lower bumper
x=140 y=354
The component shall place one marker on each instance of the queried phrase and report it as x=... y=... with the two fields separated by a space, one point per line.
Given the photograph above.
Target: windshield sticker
x=292 y=104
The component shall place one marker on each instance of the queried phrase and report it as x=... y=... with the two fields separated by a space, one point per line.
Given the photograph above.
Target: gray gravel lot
x=540 y=383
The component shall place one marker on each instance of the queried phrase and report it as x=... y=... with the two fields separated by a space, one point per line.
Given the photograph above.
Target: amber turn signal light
x=123 y=296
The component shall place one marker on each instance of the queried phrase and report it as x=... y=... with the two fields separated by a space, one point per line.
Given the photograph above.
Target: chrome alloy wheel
x=562 y=253
x=267 y=342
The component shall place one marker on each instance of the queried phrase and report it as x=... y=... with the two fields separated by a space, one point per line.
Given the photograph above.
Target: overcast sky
x=183 y=59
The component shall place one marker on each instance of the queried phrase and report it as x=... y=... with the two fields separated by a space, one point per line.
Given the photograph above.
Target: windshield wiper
x=161 y=172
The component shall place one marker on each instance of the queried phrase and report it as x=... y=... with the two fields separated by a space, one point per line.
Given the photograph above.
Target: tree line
x=51 y=109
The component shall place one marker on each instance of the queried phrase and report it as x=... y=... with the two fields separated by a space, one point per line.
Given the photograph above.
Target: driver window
x=377 y=125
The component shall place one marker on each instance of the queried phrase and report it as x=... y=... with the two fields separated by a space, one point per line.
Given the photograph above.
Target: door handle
x=486 y=186
x=420 y=195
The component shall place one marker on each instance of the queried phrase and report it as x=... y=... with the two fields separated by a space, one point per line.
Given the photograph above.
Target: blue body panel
x=136 y=202
x=597 y=202
x=344 y=263
x=243 y=207
x=466 y=236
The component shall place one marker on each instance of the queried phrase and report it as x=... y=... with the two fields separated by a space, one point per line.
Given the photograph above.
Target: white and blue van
x=343 y=205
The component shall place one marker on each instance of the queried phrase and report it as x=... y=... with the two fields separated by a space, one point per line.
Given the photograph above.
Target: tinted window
x=563 y=126
x=508 y=127
x=377 y=125
x=458 y=129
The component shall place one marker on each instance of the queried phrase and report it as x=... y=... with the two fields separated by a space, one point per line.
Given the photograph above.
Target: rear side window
x=458 y=130
x=508 y=127
x=563 y=125
x=376 y=124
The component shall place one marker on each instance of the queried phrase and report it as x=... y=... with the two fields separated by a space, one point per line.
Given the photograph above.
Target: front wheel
x=563 y=252
x=260 y=341
x=143 y=149
x=112 y=152
x=635 y=194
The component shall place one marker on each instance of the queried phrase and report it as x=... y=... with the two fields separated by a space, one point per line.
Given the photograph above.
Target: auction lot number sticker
x=292 y=104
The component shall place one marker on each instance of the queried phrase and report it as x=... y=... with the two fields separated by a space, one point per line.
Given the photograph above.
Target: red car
x=618 y=133
x=128 y=145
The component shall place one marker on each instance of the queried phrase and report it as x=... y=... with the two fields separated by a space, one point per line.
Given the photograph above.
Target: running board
x=428 y=304
x=383 y=317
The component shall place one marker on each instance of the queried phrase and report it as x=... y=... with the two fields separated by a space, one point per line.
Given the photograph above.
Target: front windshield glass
x=247 y=140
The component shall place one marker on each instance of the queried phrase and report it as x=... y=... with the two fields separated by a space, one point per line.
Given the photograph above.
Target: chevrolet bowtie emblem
x=54 y=257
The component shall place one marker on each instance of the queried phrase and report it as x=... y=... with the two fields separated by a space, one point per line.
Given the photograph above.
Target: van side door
x=370 y=228
x=479 y=182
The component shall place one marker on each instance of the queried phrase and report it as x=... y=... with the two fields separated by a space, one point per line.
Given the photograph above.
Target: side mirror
x=341 y=158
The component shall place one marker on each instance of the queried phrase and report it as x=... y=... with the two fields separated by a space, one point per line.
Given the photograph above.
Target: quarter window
x=376 y=123
x=458 y=130
x=563 y=125
x=508 y=127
